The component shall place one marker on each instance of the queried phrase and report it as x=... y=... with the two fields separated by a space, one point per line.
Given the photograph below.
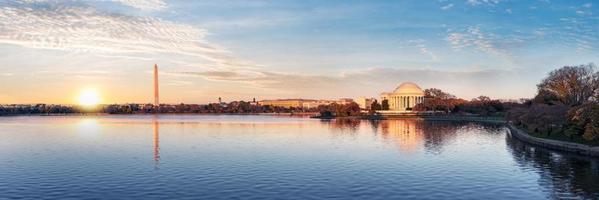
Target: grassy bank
x=560 y=137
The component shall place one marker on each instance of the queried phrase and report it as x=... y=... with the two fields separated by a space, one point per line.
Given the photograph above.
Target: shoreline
x=424 y=117
x=143 y=114
x=581 y=149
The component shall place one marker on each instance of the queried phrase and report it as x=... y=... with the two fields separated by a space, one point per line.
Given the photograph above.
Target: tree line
x=566 y=104
x=235 y=107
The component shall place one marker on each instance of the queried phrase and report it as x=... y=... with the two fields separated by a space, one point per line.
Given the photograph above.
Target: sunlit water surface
x=269 y=157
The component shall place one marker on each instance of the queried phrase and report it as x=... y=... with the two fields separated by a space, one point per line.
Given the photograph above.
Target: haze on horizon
x=52 y=50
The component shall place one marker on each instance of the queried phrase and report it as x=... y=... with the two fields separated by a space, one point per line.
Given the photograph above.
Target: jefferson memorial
x=404 y=97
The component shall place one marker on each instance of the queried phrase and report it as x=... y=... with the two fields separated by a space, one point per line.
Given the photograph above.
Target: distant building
x=364 y=102
x=344 y=101
x=254 y=103
x=314 y=103
x=286 y=103
x=404 y=97
x=301 y=103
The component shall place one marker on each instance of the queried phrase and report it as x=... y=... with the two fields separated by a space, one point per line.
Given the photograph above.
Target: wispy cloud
x=85 y=29
x=474 y=37
x=369 y=81
x=145 y=4
x=447 y=7
x=479 y=2
x=578 y=32
x=149 y=5
x=423 y=49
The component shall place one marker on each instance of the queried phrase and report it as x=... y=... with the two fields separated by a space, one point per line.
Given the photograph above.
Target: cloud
x=578 y=32
x=145 y=4
x=85 y=29
x=149 y=5
x=179 y=83
x=474 y=37
x=447 y=7
x=420 y=44
x=479 y=2
x=369 y=81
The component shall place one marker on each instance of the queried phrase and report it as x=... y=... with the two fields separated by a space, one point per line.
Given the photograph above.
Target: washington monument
x=156 y=92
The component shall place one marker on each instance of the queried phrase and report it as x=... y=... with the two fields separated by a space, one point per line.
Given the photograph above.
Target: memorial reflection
x=406 y=133
x=409 y=135
x=564 y=175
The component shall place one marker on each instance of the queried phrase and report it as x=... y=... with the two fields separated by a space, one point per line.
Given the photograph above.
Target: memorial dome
x=408 y=88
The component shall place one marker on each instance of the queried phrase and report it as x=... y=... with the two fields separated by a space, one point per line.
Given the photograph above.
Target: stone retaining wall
x=466 y=119
x=554 y=144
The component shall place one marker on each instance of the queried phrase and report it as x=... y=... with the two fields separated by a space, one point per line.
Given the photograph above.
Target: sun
x=89 y=97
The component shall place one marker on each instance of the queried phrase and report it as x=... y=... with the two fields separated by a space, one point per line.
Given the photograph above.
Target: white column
x=402 y=101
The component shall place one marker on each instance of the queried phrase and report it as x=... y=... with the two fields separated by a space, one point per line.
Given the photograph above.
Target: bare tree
x=437 y=93
x=572 y=85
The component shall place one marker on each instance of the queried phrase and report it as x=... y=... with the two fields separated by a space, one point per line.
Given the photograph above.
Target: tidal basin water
x=270 y=157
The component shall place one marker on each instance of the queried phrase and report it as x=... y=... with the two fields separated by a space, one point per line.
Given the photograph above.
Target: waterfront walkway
x=554 y=144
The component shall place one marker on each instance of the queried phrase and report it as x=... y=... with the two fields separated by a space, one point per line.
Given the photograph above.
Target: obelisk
x=156 y=92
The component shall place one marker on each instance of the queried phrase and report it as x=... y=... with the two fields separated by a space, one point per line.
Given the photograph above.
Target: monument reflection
x=156 y=142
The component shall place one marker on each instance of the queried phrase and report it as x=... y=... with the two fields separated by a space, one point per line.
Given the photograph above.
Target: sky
x=51 y=50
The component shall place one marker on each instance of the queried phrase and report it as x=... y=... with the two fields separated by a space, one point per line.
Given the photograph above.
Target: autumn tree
x=585 y=120
x=437 y=93
x=572 y=85
x=436 y=99
x=566 y=99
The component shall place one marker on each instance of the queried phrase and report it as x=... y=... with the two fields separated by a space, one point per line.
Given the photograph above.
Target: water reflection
x=214 y=157
x=88 y=128
x=407 y=134
x=343 y=126
x=156 y=128
x=560 y=175
x=563 y=175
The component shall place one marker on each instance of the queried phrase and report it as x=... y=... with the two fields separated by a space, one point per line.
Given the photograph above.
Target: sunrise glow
x=89 y=97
